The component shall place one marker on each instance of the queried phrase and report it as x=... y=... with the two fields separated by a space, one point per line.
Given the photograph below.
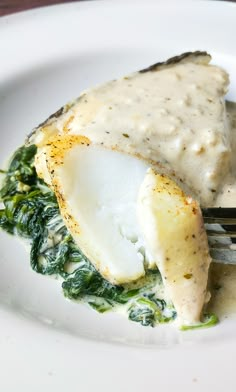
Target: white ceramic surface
x=47 y=56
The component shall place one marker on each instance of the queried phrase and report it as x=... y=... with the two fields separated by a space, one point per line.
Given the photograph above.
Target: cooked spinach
x=87 y=281
x=209 y=320
x=31 y=211
x=148 y=310
x=100 y=305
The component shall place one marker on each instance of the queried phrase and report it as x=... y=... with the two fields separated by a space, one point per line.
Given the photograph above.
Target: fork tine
x=219 y=212
x=215 y=233
x=221 y=221
x=225 y=256
x=223 y=252
x=222 y=216
x=223 y=261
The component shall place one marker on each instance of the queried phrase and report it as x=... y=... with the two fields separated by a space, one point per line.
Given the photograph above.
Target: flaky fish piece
x=172 y=113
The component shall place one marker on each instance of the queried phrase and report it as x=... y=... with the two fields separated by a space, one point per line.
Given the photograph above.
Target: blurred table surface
x=10 y=6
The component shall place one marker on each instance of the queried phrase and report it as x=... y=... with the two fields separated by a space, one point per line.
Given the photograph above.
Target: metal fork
x=220 y=225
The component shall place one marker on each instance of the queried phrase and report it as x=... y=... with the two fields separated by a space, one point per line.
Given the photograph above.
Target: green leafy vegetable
x=209 y=320
x=87 y=281
x=31 y=211
x=150 y=311
x=100 y=305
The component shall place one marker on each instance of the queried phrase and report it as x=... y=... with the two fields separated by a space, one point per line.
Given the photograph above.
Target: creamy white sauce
x=175 y=116
x=227 y=193
x=223 y=277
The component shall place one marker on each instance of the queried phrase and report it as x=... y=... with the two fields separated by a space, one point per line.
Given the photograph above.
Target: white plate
x=47 y=56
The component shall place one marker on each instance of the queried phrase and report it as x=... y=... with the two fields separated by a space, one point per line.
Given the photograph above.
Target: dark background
x=10 y=6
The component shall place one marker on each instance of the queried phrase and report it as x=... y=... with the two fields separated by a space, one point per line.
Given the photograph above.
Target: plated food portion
x=108 y=190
